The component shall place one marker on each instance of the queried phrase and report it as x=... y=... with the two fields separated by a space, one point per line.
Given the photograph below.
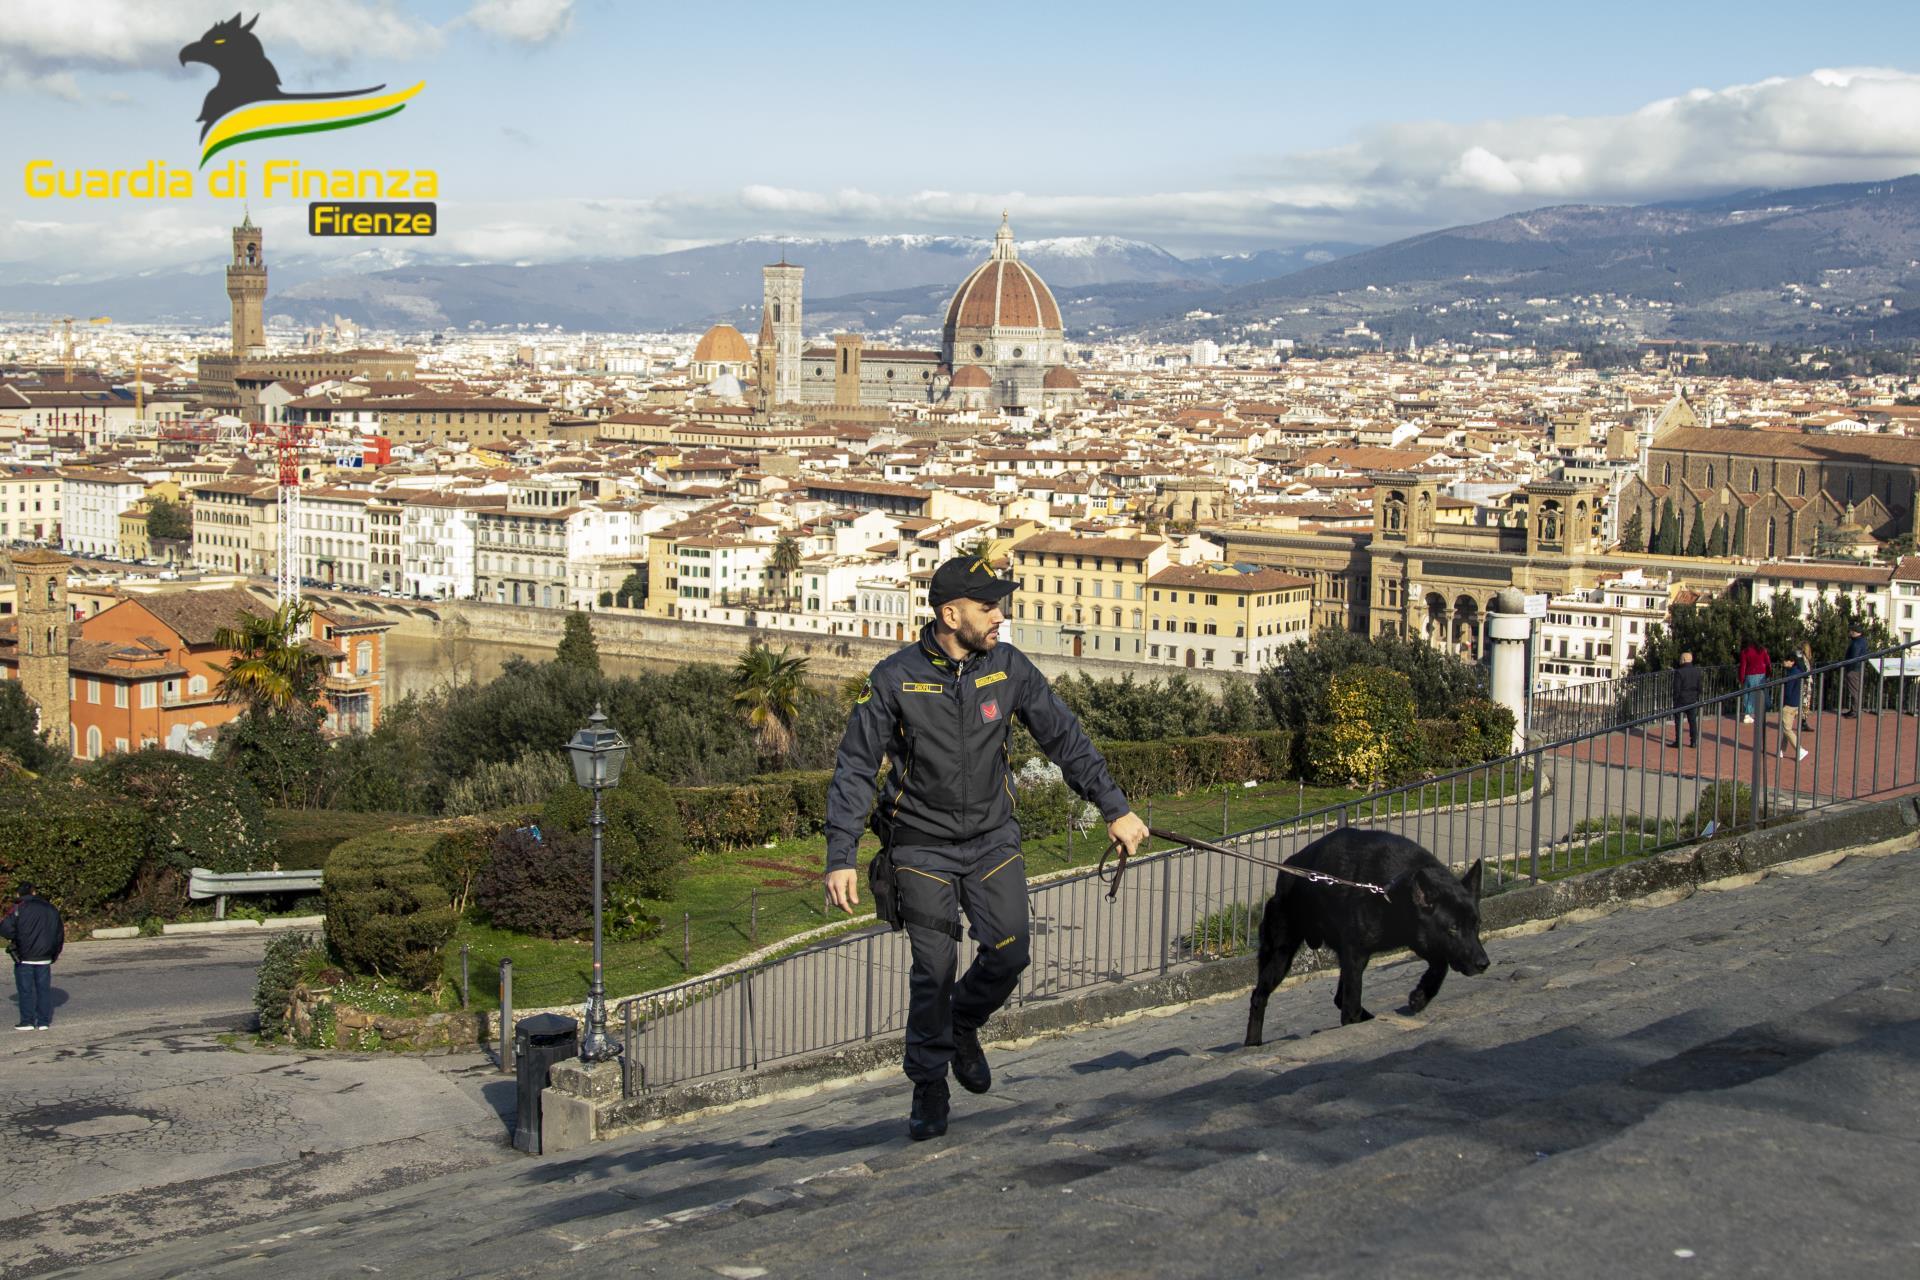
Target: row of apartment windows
x=1099 y=588
x=1039 y=560
x=150 y=692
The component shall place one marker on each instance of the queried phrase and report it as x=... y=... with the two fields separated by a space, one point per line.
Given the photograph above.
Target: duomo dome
x=1004 y=323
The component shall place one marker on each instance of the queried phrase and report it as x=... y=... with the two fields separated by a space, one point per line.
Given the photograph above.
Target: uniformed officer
x=940 y=709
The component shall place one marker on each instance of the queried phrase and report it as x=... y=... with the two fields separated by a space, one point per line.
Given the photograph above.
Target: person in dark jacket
x=1796 y=678
x=1689 y=683
x=35 y=936
x=939 y=710
x=1856 y=661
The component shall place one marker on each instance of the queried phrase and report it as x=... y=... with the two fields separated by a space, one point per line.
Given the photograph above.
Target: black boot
x=970 y=1061
x=929 y=1118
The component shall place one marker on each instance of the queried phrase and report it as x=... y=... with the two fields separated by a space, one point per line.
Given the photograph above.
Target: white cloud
x=526 y=21
x=149 y=34
x=41 y=44
x=1826 y=126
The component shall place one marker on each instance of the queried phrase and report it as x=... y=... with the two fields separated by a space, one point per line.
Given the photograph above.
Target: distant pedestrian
x=1856 y=661
x=1689 y=682
x=1754 y=662
x=1796 y=677
x=35 y=936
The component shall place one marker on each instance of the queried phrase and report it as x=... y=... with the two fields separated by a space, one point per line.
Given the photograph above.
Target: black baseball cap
x=968 y=578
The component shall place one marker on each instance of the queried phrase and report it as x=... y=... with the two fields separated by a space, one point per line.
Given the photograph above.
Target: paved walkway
x=1720 y=1087
x=1849 y=757
x=134 y=1120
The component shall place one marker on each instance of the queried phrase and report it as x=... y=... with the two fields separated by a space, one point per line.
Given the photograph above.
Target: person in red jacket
x=1754 y=662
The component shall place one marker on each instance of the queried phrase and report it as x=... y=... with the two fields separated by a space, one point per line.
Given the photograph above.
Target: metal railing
x=1604 y=704
x=1602 y=796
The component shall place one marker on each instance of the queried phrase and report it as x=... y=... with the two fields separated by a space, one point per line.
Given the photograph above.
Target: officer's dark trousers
x=987 y=877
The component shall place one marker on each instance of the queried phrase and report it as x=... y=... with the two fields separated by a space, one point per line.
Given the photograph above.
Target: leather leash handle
x=1119 y=868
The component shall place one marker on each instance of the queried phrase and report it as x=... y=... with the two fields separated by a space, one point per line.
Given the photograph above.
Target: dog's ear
x=1472 y=879
x=1421 y=898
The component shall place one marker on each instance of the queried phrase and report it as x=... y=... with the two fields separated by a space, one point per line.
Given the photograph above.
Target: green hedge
x=773 y=807
x=644 y=843
x=306 y=836
x=387 y=914
x=1193 y=764
x=198 y=814
x=80 y=846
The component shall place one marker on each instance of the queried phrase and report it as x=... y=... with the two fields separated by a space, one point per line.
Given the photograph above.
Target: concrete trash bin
x=538 y=1043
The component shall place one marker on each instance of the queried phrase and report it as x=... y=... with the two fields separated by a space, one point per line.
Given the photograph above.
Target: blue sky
x=562 y=128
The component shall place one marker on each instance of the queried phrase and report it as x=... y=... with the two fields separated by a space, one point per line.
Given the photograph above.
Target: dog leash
x=1112 y=878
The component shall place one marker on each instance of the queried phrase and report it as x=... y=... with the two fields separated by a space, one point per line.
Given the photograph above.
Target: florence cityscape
x=460 y=593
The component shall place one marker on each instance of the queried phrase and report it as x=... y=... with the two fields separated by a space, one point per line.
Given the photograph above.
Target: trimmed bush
x=279 y=973
x=644 y=842
x=809 y=788
x=542 y=886
x=459 y=857
x=1486 y=729
x=198 y=814
x=738 y=815
x=1369 y=737
x=731 y=817
x=1441 y=746
x=78 y=844
x=387 y=914
x=307 y=836
x=1194 y=764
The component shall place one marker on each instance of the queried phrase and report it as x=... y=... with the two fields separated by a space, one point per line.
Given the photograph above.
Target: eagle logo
x=247 y=103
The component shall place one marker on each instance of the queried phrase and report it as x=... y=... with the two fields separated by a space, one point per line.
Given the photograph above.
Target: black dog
x=1426 y=909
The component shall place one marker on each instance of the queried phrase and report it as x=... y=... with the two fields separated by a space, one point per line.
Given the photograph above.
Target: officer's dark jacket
x=945 y=727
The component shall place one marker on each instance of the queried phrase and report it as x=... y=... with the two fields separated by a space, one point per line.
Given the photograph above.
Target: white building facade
x=93 y=501
x=1595 y=634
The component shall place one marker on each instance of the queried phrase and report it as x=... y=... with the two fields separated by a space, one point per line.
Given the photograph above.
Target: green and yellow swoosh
x=280 y=117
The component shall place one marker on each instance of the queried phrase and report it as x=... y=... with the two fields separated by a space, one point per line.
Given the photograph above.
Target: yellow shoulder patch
x=866 y=691
x=913 y=687
x=992 y=678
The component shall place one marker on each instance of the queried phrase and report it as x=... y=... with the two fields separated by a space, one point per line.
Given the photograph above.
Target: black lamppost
x=598 y=754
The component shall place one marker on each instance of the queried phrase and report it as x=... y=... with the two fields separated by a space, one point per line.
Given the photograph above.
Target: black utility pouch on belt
x=886 y=894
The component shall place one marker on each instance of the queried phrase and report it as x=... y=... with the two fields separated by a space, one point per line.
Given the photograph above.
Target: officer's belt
x=899 y=833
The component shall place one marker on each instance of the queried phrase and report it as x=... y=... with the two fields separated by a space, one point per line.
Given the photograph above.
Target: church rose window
x=978 y=351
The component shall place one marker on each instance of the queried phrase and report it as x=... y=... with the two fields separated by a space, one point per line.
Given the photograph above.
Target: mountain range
x=1838 y=262
x=1814 y=263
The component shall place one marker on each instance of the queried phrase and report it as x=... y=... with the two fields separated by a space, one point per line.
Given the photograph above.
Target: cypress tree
x=1667 y=535
x=1717 y=543
x=1634 y=536
x=1697 y=536
x=1739 y=544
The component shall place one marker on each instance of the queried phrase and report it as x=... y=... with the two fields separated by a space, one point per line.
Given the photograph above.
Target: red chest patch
x=990 y=709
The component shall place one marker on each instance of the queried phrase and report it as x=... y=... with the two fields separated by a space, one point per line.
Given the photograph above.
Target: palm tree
x=979 y=547
x=271 y=667
x=770 y=686
x=786 y=562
